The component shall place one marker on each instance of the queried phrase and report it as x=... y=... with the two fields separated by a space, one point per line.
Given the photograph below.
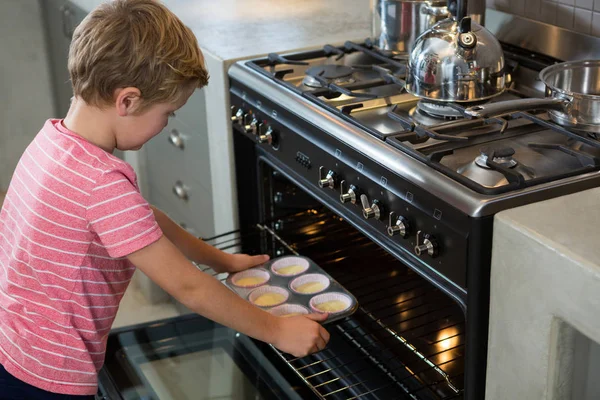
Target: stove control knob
x=370 y=211
x=265 y=135
x=328 y=181
x=253 y=126
x=398 y=225
x=347 y=195
x=429 y=246
x=237 y=116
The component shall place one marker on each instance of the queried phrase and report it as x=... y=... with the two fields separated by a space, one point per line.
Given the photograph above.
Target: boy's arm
x=202 y=253
x=205 y=295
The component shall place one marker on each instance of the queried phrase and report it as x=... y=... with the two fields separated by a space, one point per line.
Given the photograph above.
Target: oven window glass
x=206 y=374
x=188 y=357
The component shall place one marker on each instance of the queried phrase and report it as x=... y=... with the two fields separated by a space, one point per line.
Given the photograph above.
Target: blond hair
x=134 y=43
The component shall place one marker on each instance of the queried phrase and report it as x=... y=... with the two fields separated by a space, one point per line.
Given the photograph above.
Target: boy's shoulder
x=86 y=158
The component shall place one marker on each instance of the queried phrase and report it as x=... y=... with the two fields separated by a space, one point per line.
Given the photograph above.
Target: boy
x=74 y=226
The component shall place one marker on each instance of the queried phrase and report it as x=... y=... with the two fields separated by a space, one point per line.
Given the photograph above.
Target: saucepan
x=397 y=23
x=572 y=97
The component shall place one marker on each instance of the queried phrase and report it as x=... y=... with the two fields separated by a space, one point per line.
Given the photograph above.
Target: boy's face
x=136 y=130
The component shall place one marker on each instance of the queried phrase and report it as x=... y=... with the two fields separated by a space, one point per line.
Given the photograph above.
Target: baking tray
x=271 y=271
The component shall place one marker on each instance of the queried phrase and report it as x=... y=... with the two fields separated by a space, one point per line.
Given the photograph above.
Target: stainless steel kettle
x=456 y=60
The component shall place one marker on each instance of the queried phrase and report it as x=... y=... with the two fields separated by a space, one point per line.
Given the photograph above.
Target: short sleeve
x=120 y=216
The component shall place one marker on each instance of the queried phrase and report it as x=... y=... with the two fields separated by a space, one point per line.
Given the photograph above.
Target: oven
x=407 y=339
x=410 y=337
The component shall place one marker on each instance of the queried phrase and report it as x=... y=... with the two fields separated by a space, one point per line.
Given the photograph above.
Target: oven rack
x=405 y=341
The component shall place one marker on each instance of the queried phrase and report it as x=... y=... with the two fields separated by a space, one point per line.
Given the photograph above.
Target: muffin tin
x=293 y=284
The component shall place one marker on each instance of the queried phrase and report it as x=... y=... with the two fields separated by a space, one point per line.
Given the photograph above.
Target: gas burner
x=435 y=110
x=430 y=114
x=497 y=173
x=502 y=157
x=338 y=74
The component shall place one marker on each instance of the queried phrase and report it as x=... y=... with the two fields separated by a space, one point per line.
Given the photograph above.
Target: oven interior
x=407 y=339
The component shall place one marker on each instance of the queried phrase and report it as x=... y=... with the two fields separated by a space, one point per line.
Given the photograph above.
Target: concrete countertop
x=545 y=295
x=237 y=29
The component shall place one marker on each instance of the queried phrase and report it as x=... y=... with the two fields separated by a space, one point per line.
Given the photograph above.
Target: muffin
x=268 y=296
x=289 y=310
x=290 y=266
x=250 y=278
x=310 y=284
x=331 y=303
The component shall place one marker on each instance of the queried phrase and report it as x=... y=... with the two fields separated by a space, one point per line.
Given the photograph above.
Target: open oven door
x=188 y=357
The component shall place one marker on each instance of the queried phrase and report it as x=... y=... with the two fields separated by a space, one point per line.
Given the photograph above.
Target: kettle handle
x=464 y=25
x=458 y=8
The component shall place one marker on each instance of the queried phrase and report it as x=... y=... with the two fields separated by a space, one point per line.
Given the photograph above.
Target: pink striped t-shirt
x=71 y=215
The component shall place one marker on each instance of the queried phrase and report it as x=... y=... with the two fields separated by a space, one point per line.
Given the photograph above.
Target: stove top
x=366 y=88
x=355 y=94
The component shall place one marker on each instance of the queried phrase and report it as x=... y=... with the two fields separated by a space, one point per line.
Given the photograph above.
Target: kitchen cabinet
x=61 y=17
x=178 y=169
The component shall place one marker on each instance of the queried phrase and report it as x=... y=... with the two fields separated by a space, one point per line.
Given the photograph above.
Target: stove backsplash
x=578 y=15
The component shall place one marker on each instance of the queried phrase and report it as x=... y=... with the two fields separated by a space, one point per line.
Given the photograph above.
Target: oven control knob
x=398 y=225
x=237 y=116
x=253 y=126
x=265 y=134
x=370 y=211
x=328 y=181
x=429 y=246
x=347 y=195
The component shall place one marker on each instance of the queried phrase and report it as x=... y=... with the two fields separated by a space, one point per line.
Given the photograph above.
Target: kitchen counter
x=237 y=29
x=545 y=299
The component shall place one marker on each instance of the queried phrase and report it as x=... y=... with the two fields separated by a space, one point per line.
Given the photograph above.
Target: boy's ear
x=127 y=101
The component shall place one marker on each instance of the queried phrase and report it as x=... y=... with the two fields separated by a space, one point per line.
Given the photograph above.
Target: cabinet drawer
x=182 y=150
x=186 y=202
x=172 y=210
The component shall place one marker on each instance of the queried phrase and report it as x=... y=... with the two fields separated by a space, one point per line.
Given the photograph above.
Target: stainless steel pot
x=456 y=60
x=573 y=97
x=398 y=23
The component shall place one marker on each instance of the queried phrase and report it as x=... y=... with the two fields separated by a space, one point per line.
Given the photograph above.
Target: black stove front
x=422 y=346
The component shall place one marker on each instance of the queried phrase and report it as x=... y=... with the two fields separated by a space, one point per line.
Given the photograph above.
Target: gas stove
x=365 y=88
x=420 y=178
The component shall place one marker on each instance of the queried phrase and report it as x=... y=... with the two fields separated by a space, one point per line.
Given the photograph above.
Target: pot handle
x=505 y=107
x=436 y=11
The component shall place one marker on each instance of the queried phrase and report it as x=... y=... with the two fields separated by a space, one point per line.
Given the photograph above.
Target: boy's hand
x=301 y=335
x=241 y=262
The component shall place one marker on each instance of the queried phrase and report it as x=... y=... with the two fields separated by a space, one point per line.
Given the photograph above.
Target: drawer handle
x=180 y=191
x=176 y=139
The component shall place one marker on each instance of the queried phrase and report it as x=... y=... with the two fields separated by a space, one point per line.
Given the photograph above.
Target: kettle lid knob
x=466 y=38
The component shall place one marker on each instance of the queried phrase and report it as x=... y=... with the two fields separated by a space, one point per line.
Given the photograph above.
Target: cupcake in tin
x=290 y=266
x=310 y=284
x=268 y=296
x=250 y=278
x=289 y=310
x=331 y=303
